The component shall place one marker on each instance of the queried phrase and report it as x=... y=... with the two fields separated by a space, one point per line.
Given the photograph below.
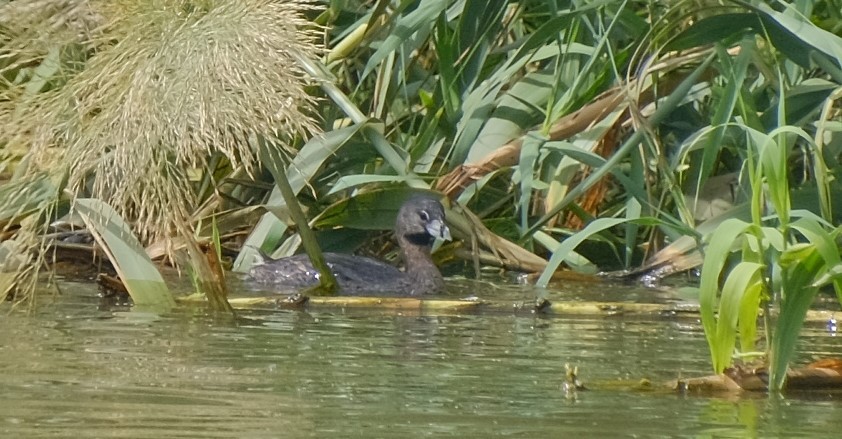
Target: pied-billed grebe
x=420 y=221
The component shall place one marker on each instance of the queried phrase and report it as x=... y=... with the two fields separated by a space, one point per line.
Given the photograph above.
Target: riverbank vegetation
x=568 y=135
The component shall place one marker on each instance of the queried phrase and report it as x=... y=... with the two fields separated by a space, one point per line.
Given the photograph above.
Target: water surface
x=77 y=369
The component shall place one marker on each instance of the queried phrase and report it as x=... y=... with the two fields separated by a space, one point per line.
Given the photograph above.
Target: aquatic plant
x=783 y=258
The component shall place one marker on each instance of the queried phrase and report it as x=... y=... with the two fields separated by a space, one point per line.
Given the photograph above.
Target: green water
x=76 y=369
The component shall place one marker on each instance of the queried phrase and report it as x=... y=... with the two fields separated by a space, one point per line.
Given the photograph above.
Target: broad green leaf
x=825 y=244
x=721 y=244
x=573 y=259
x=740 y=295
x=774 y=155
x=803 y=265
x=140 y=276
x=548 y=31
x=44 y=73
x=754 y=294
x=789 y=32
x=22 y=197
x=378 y=140
x=476 y=111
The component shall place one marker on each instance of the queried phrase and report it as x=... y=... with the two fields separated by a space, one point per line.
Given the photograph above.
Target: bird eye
x=424 y=215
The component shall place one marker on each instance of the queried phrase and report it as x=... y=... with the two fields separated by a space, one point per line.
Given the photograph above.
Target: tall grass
x=145 y=98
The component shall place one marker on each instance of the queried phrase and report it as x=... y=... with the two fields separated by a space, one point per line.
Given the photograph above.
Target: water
x=77 y=370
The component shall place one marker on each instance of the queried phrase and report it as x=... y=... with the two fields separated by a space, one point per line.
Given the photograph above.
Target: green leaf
x=738 y=307
x=721 y=244
x=803 y=265
x=825 y=244
x=25 y=196
x=140 y=276
x=735 y=75
x=44 y=73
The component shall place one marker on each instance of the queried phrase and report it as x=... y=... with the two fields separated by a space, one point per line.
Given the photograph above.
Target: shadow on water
x=78 y=369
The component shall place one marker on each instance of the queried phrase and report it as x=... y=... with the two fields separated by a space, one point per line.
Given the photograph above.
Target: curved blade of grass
x=818 y=236
x=801 y=103
x=687 y=242
x=477 y=133
x=271 y=159
x=140 y=276
x=44 y=73
x=476 y=110
x=754 y=291
x=573 y=259
x=462 y=46
x=561 y=252
x=823 y=179
x=578 y=151
x=709 y=30
x=496 y=120
x=518 y=110
x=794 y=36
x=774 y=155
x=595 y=70
x=548 y=31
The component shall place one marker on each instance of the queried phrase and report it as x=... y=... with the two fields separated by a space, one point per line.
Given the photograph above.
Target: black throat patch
x=419 y=239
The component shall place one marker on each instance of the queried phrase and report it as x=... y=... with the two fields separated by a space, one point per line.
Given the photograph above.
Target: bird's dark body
x=355 y=274
x=419 y=222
